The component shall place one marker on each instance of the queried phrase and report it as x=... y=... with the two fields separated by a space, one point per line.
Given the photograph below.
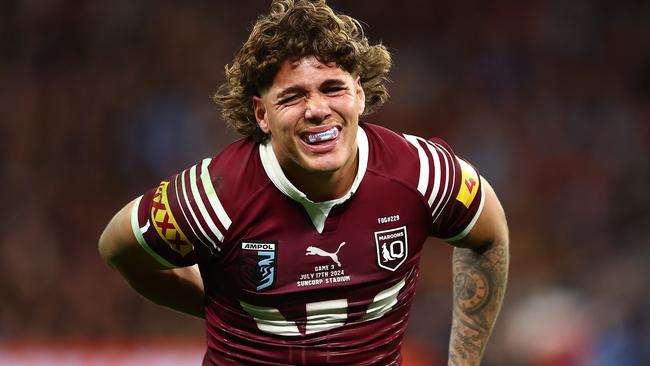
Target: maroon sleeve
x=451 y=187
x=181 y=221
x=155 y=223
x=462 y=206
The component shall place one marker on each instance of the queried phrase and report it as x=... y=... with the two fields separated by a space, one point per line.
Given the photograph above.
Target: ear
x=361 y=95
x=260 y=114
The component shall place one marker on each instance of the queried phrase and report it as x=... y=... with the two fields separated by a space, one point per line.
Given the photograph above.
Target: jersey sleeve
x=181 y=221
x=451 y=186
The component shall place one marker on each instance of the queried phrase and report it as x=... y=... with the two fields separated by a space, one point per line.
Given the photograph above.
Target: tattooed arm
x=480 y=273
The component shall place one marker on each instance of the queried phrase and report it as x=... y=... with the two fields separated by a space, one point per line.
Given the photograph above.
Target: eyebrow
x=298 y=89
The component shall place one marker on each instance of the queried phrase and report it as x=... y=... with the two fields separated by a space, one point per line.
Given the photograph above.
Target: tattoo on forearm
x=472 y=288
x=479 y=285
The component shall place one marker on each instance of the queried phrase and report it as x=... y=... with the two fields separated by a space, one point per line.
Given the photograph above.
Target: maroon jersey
x=289 y=281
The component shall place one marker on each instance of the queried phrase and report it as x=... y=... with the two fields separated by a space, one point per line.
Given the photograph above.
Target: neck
x=324 y=186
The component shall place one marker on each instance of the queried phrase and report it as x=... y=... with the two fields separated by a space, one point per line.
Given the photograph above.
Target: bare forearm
x=480 y=279
x=180 y=289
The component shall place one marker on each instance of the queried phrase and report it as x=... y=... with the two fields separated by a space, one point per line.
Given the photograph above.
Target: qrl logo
x=258 y=264
x=392 y=247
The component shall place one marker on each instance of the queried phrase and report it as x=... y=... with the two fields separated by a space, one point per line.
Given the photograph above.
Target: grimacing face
x=311 y=111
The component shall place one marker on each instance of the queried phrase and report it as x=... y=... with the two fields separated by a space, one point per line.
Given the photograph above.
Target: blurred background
x=549 y=99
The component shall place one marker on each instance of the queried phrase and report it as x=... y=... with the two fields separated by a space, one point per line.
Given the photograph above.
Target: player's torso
x=285 y=286
x=282 y=282
x=281 y=289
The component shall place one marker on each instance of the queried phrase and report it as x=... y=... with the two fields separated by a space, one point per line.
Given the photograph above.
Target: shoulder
x=389 y=152
x=406 y=157
x=210 y=194
x=235 y=161
x=192 y=211
x=236 y=173
x=384 y=139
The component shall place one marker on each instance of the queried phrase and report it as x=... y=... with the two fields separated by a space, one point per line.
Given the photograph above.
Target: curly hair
x=293 y=29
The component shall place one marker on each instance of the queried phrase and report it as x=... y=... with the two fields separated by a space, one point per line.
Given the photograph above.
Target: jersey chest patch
x=259 y=264
x=391 y=247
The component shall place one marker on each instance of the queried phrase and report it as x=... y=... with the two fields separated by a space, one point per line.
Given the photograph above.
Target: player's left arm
x=480 y=275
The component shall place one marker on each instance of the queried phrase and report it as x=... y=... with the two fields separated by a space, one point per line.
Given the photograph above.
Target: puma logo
x=311 y=250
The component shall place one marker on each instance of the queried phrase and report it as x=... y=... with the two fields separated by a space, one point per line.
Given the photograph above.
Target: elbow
x=113 y=243
x=106 y=249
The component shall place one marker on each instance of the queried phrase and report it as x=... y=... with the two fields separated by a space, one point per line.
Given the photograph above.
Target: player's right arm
x=178 y=288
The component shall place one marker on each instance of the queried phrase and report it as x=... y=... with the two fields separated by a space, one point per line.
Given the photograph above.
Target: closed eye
x=334 y=90
x=289 y=99
x=333 y=87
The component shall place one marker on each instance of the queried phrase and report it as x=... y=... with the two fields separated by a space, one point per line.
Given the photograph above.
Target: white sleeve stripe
x=199 y=202
x=138 y=231
x=195 y=222
x=451 y=178
x=471 y=224
x=437 y=199
x=424 y=164
x=436 y=174
x=451 y=172
x=212 y=195
x=438 y=209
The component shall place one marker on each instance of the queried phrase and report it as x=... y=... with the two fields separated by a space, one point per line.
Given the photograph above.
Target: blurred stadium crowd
x=549 y=99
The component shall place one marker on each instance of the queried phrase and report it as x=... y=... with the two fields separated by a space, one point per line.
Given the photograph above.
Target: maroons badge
x=392 y=247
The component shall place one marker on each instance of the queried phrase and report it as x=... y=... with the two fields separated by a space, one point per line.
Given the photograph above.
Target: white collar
x=317 y=211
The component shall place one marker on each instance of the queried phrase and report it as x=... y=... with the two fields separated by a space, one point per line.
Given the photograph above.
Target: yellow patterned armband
x=165 y=223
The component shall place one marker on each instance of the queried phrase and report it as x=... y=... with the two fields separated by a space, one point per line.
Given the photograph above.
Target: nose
x=317 y=108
